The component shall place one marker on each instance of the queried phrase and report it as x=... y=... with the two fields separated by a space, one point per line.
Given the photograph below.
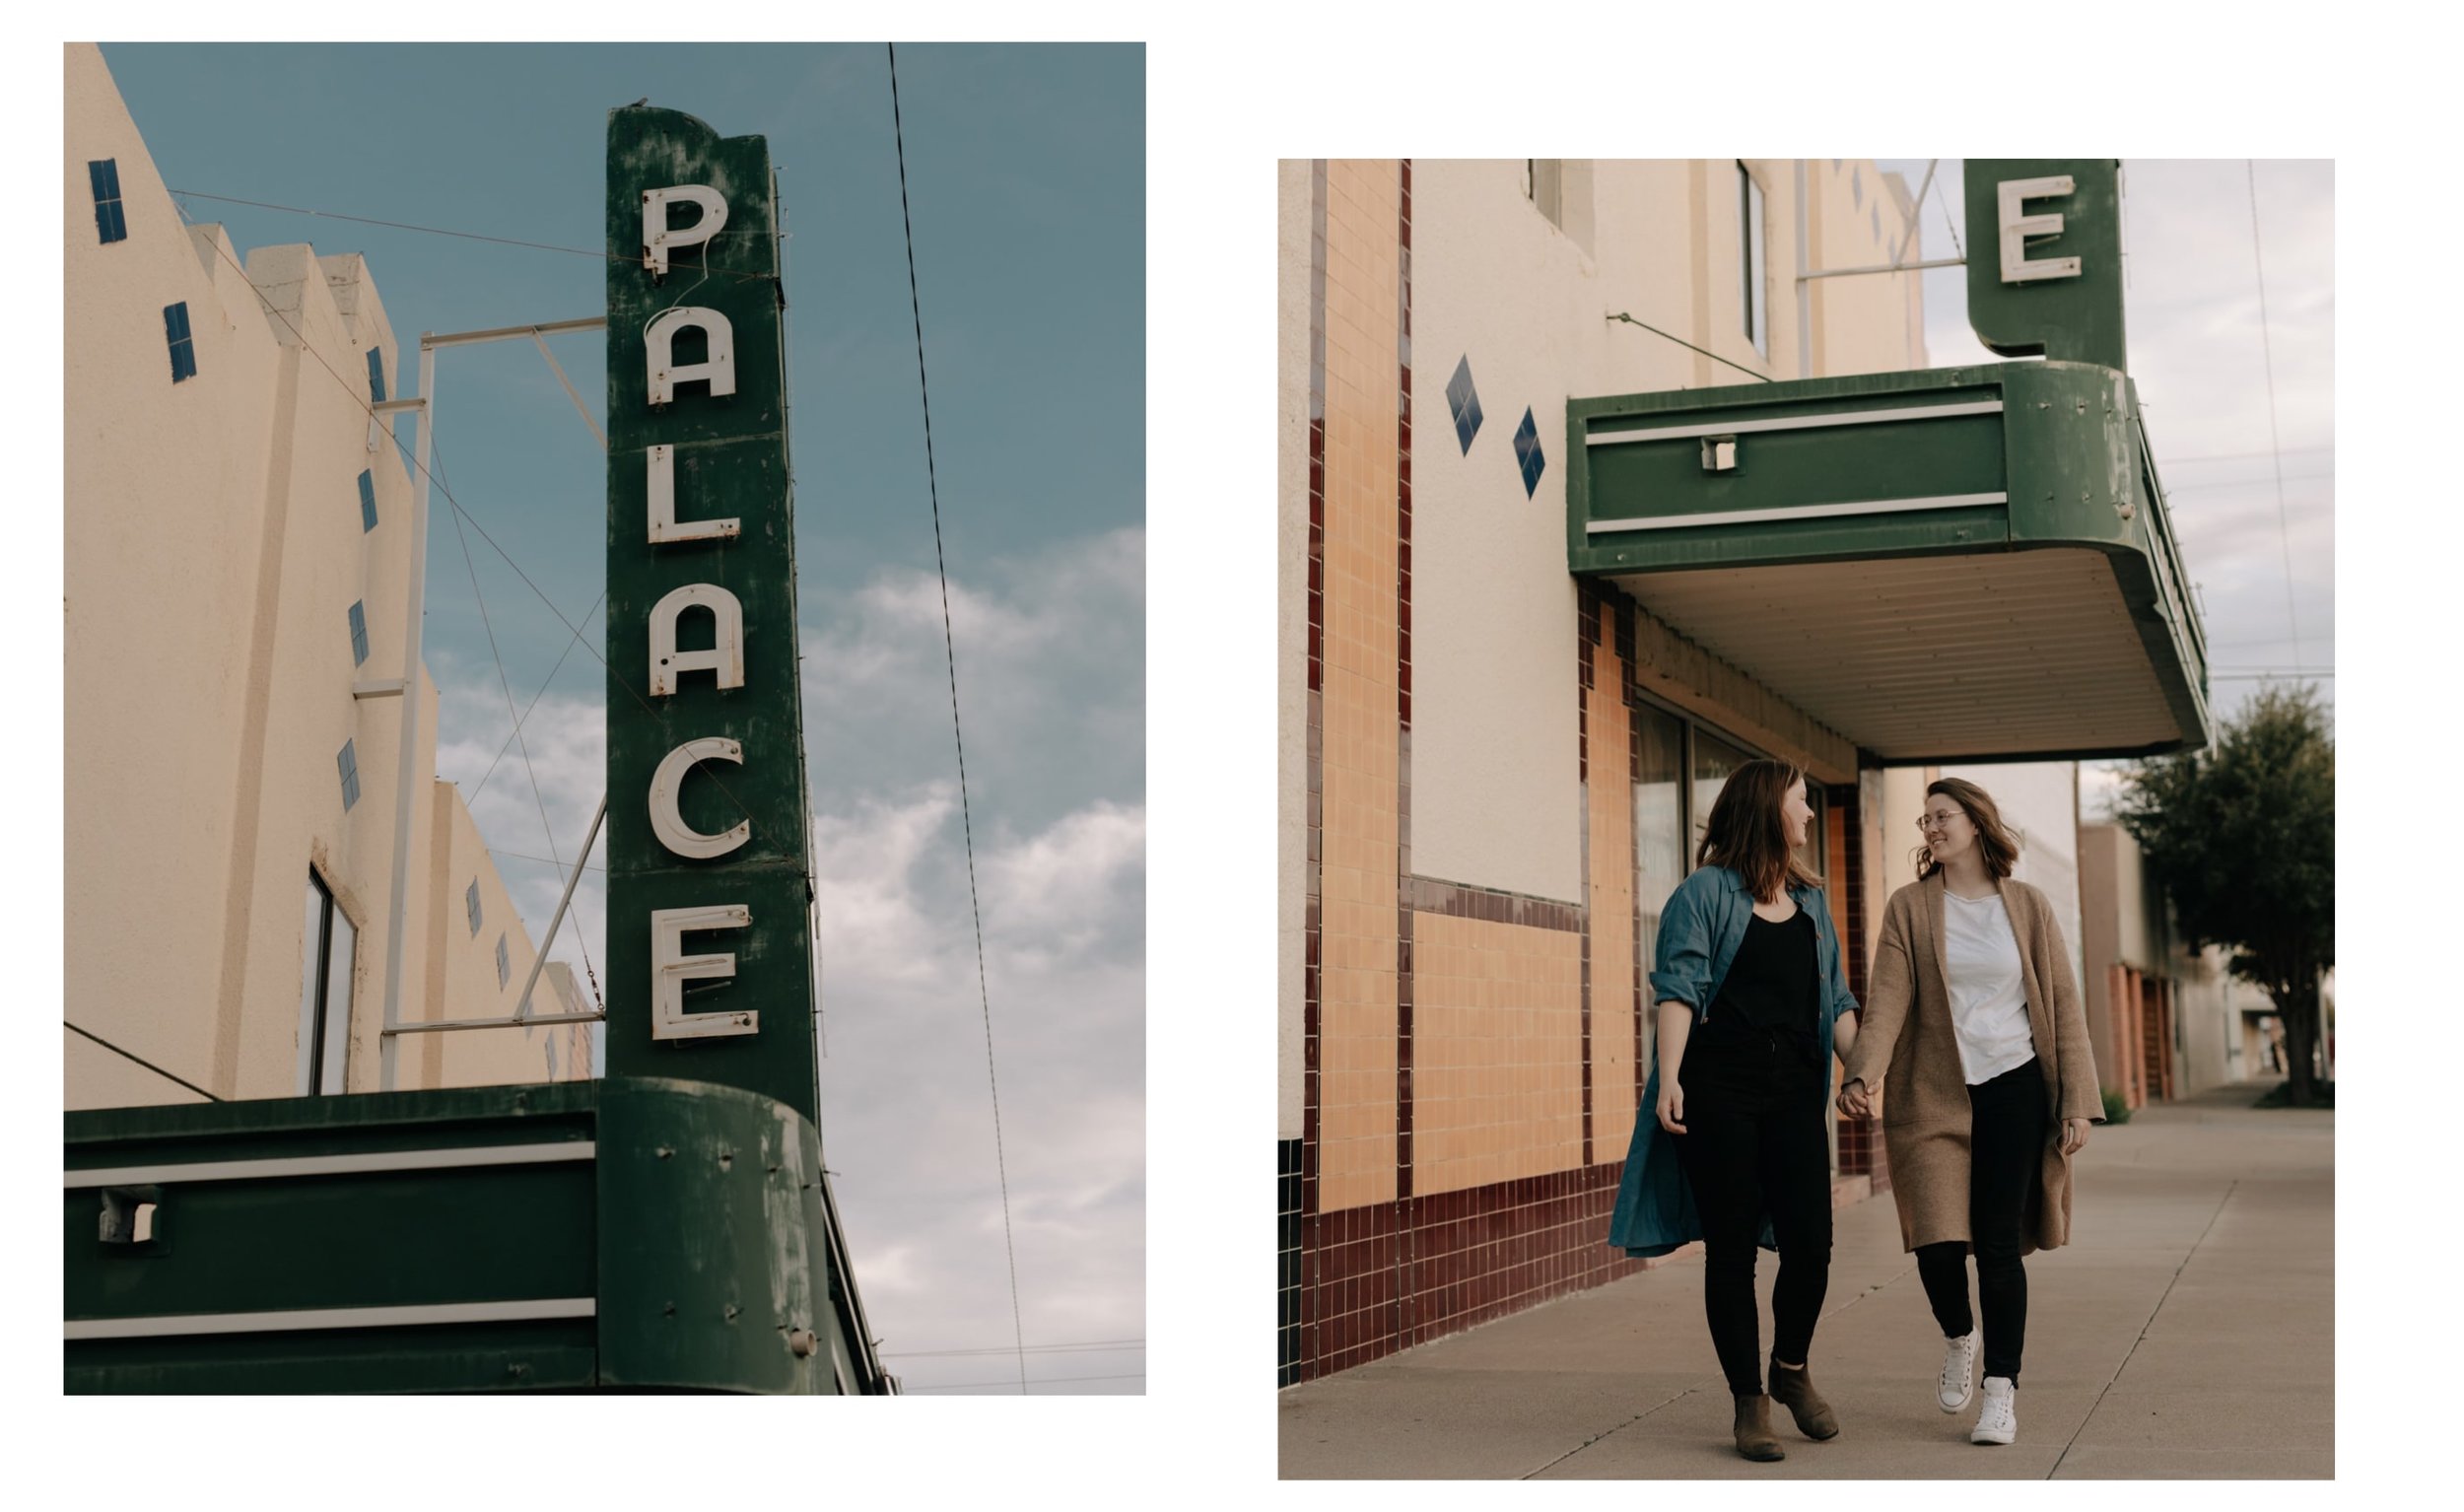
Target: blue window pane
x=1527 y=454
x=368 y=501
x=470 y=899
x=348 y=762
x=183 y=350
x=375 y=376
x=108 y=217
x=358 y=633
x=1464 y=401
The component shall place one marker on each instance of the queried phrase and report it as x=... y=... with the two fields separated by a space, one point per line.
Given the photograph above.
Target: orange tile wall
x=1611 y=865
x=1358 y=1016
x=1497 y=1050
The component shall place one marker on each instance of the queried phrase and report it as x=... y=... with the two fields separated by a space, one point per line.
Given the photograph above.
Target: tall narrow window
x=348 y=762
x=375 y=376
x=183 y=349
x=108 y=219
x=358 y=633
x=326 y=955
x=1750 y=266
x=503 y=963
x=470 y=903
x=1545 y=185
x=368 y=501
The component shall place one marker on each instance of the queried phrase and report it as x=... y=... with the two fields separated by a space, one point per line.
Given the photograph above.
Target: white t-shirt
x=1988 y=1005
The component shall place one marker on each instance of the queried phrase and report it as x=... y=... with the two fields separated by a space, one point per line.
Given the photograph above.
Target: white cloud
x=1051 y=681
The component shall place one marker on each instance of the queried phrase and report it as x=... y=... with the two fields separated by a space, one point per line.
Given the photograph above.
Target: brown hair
x=1746 y=835
x=1994 y=842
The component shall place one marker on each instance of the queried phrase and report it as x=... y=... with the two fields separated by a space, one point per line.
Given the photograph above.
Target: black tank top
x=1769 y=990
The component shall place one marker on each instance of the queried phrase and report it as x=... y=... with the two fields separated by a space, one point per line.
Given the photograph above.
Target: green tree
x=2241 y=836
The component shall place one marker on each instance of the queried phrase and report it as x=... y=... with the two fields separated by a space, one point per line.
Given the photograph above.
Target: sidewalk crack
x=1606 y=1432
x=2187 y=1256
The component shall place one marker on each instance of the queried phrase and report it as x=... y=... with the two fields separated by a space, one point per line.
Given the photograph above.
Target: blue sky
x=1026 y=175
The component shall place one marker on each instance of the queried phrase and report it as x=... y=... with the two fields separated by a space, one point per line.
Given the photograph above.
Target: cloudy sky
x=2265 y=574
x=1026 y=173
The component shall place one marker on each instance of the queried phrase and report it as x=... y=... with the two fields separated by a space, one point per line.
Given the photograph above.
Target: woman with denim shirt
x=1731 y=1145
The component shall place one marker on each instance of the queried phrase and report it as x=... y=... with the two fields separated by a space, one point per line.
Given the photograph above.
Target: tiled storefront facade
x=1471 y=1058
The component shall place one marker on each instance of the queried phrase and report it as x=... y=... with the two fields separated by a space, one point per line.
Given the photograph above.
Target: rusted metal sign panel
x=710 y=946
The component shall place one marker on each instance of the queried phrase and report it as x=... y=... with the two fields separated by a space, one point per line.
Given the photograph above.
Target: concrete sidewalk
x=2188 y=1331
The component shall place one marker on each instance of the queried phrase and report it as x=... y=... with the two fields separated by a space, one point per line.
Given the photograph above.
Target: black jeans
x=1756 y=1140
x=2008 y=1134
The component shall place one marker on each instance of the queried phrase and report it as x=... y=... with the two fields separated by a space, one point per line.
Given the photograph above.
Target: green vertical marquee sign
x=709 y=937
x=2045 y=257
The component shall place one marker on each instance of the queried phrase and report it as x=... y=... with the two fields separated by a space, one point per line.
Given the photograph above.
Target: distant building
x=236 y=557
x=2168 y=1020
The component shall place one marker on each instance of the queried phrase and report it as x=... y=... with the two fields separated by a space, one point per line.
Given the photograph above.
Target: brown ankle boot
x=1794 y=1390
x=1755 y=1439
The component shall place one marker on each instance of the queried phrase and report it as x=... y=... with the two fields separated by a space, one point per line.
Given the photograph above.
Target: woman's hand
x=1672 y=1106
x=2073 y=1136
x=1856 y=1101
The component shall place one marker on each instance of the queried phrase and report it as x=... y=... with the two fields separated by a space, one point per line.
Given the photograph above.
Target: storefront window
x=1661 y=856
x=1714 y=760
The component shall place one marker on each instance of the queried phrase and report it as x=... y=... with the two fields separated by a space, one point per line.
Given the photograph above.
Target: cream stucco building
x=236 y=561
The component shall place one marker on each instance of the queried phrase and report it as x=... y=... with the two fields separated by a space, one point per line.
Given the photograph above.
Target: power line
x=438 y=231
x=1090 y=1348
x=950 y=643
x=1049 y=1381
x=535 y=697
x=505 y=682
x=2238 y=456
x=2267 y=352
x=142 y=1060
x=517 y=856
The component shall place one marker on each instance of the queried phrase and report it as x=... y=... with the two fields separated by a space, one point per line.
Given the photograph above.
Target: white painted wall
x=1495 y=801
x=213 y=547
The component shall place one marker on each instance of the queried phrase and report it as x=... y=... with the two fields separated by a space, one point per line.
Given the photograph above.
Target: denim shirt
x=1700 y=930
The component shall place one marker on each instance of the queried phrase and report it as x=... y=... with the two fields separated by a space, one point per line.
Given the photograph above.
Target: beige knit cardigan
x=1908 y=1050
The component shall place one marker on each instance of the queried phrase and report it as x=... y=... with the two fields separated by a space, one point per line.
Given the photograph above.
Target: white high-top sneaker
x=1959 y=1371
x=1997 y=1422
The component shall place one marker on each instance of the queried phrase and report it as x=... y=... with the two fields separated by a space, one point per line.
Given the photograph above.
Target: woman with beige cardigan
x=1974 y=1029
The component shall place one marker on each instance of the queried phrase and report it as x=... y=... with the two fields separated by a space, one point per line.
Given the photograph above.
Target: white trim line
x=1798 y=511
x=330 y=1318
x=1793 y=423
x=333 y=1165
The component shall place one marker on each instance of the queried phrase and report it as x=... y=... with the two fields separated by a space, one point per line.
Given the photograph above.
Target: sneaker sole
x=1991 y=1438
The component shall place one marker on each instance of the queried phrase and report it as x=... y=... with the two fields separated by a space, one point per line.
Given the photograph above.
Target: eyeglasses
x=1927 y=823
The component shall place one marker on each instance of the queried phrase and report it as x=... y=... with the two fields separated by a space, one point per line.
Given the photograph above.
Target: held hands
x=1672 y=1106
x=2073 y=1136
x=1856 y=1100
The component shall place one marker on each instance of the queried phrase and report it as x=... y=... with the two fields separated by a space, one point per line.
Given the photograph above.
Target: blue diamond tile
x=1526 y=454
x=1465 y=401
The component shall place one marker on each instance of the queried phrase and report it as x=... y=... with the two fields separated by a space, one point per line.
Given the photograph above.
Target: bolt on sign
x=2045 y=240
x=708 y=851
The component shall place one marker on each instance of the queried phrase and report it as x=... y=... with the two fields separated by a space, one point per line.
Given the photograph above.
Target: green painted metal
x=730 y=461
x=2067 y=450
x=703 y=1228
x=2075 y=319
